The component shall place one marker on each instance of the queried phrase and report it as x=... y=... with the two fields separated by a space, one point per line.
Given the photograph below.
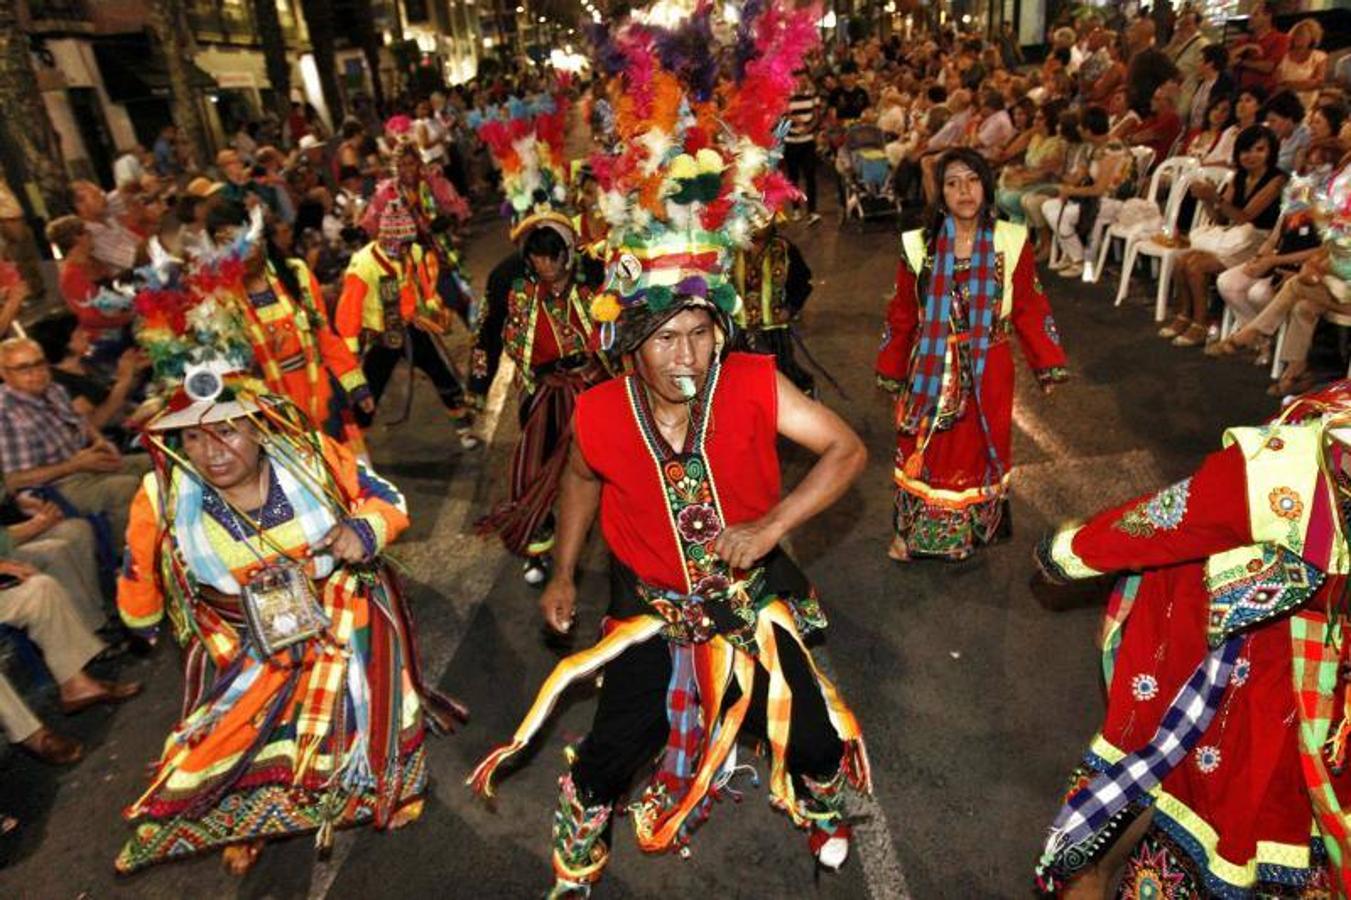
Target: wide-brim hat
x=200 y=412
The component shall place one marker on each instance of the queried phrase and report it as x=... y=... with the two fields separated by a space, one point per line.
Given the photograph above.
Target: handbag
x=1224 y=241
x=1139 y=217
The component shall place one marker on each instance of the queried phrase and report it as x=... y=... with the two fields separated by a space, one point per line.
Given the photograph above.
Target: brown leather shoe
x=109 y=692
x=52 y=748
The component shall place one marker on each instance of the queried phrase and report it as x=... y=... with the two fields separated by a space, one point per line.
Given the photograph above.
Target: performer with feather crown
x=702 y=643
x=536 y=309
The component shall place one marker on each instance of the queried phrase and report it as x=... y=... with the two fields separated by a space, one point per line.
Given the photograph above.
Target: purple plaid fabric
x=1186 y=719
x=38 y=430
x=682 y=711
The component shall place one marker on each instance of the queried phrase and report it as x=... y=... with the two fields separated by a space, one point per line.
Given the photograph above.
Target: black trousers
x=425 y=353
x=630 y=728
x=799 y=163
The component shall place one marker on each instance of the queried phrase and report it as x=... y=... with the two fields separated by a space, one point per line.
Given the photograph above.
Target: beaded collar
x=275 y=510
x=694 y=433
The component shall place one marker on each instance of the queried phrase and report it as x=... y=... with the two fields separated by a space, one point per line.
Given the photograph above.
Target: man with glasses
x=48 y=448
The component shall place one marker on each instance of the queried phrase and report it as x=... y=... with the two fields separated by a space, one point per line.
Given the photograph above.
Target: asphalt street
x=975 y=698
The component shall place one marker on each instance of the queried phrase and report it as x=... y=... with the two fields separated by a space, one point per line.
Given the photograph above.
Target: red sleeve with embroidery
x=898 y=334
x=1188 y=521
x=1032 y=320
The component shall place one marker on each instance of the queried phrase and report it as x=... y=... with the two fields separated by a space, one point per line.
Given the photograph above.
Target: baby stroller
x=866 y=177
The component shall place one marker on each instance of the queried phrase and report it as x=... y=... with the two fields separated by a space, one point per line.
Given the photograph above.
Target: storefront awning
x=134 y=68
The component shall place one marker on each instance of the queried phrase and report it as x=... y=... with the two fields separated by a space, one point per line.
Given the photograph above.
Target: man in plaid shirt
x=45 y=443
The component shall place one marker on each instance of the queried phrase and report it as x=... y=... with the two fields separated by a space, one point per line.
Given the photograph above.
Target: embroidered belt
x=730 y=610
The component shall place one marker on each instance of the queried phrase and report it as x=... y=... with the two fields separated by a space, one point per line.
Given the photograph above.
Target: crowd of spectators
x=1076 y=139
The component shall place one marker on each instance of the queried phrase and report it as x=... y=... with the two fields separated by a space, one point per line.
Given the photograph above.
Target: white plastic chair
x=1172 y=169
x=1167 y=256
x=1144 y=158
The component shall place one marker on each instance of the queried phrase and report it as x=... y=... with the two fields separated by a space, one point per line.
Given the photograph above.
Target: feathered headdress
x=189 y=322
x=525 y=137
x=699 y=120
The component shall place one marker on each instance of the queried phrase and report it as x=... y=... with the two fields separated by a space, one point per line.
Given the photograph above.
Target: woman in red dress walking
x=964 y=285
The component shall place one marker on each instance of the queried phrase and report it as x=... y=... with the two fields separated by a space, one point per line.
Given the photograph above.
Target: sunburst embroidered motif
x=1207 y=758
x=1144 y=687
x=1242 y=669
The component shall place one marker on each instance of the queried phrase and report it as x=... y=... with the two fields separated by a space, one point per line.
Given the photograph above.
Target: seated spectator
x=1101 y=191
x=1308 y=296
x=1248 y=288
x=1325 y=147
x=1074 y=170
x=1248 y=107
x=1304 y=67
x=104 y=402
x=996 y=129
x=25 y=730
x=1121 y=119
x=105 y=314
x=1021 y=114
x=1284 y=115
x=1042 y=164
x=1245 y=212
x=37 y=604
x=1160 y=131
x=1214 y=144
x=36 y=532
x=45 y=443
x=114 y=246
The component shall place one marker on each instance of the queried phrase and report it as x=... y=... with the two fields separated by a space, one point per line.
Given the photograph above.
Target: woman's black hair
x=1287 y=105
x=1217 y=55
x=280 y=266
x=1067 y=125
x=53 y=333
x=938 y=211
x=1257 y=92
x=545 y=242
x=1051 y=112
x=1216 y=101
x=186 y=207
x=1095 y=121
x=229 y=214
x=1335 y=113
x=1248 y=138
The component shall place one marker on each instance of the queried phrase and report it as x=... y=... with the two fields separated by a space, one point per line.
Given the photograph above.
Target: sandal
x=8 y=824
x=1194 y=336
x=109 y=692
x=52 y=748
x=1225 y=347
x=1175 y=327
